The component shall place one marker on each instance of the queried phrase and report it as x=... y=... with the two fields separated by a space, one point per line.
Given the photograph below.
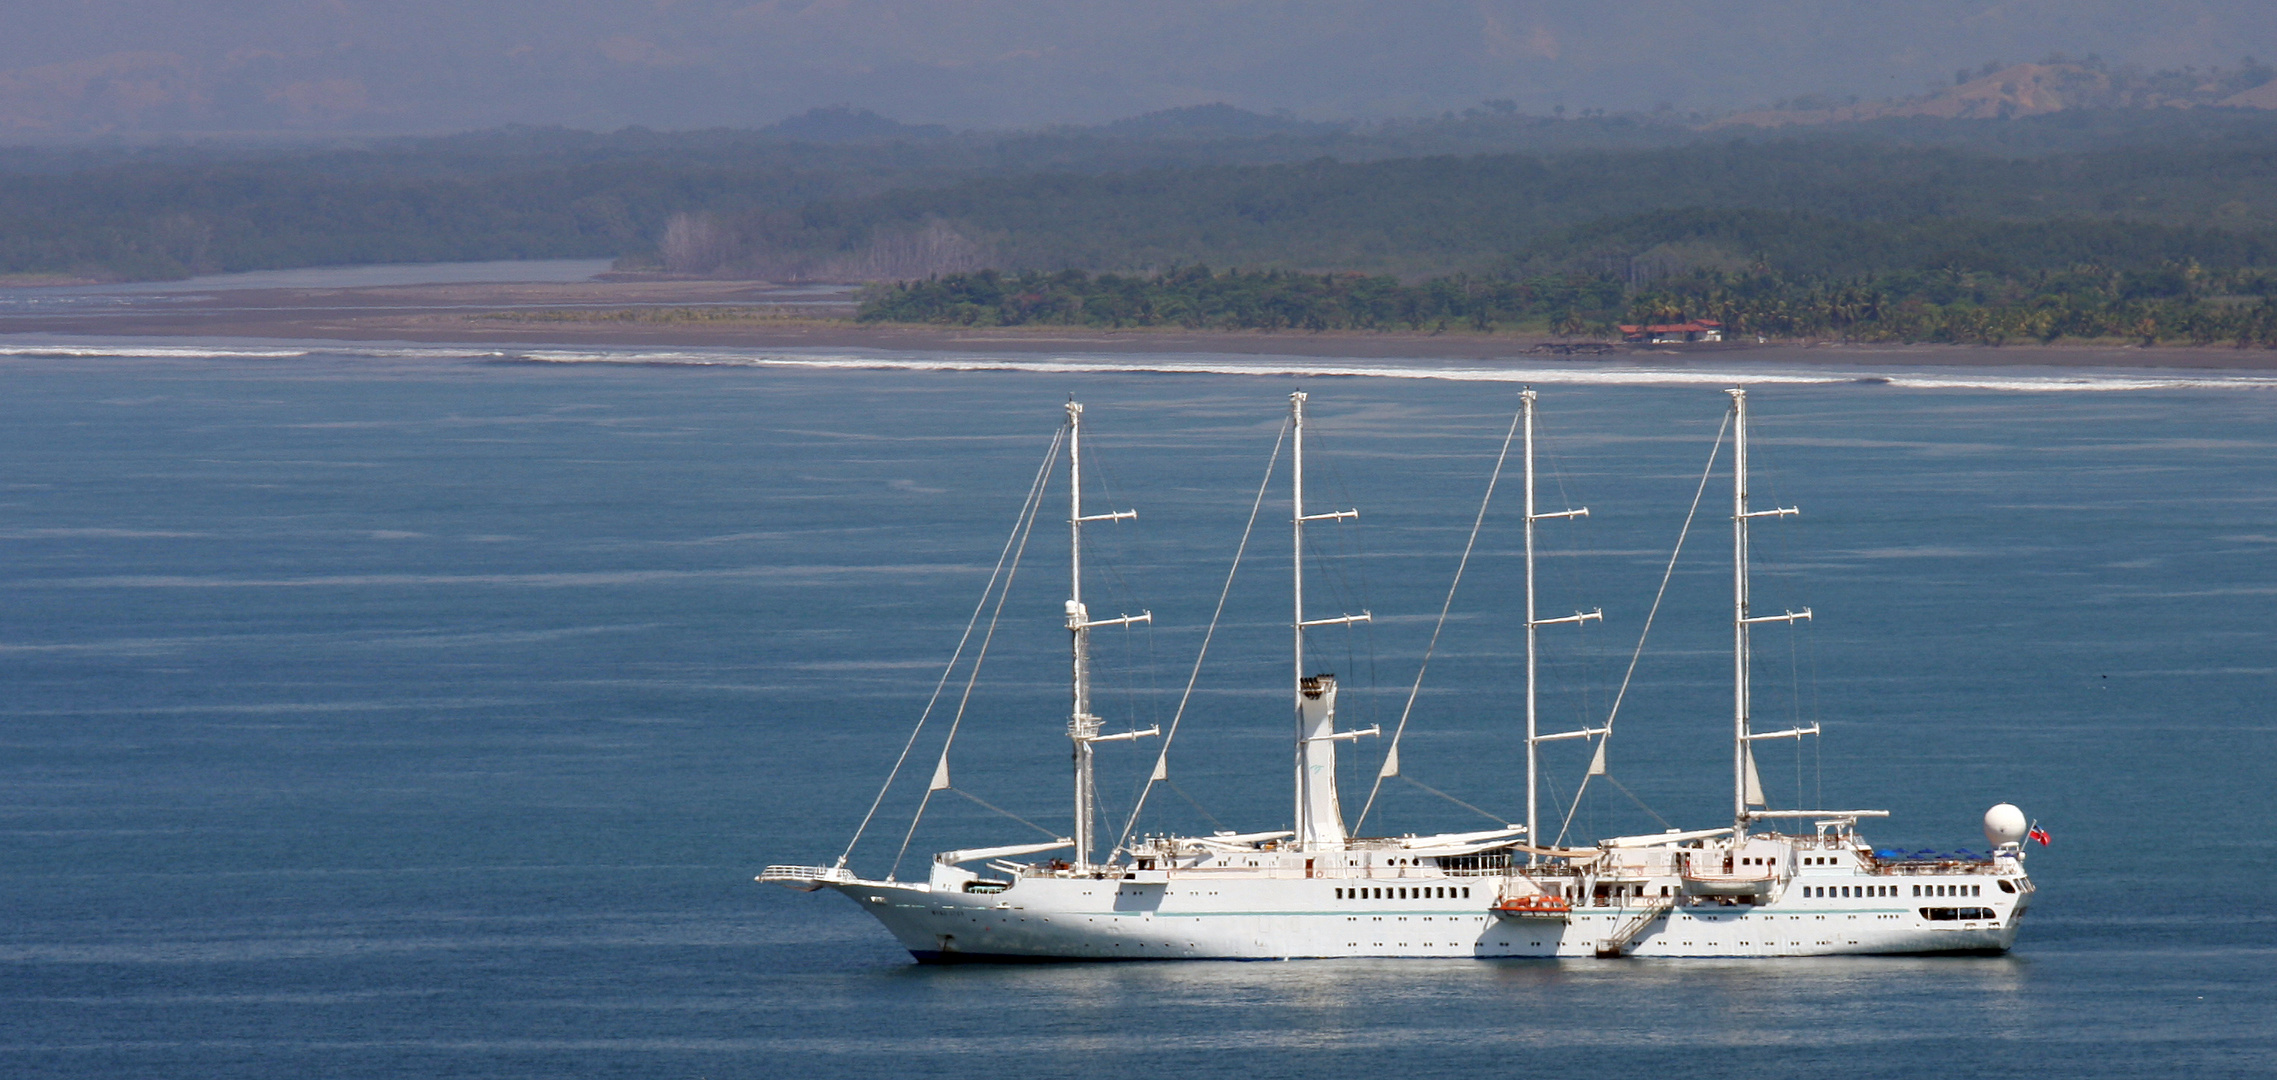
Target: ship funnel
x=1320 y=820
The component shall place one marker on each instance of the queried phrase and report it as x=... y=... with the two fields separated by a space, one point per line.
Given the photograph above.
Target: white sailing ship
x=1747 y=889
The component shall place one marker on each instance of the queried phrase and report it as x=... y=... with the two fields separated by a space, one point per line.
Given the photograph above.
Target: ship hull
x=1088 y=919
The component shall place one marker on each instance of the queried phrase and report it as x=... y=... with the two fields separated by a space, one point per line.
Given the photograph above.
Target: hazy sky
x=426 y=65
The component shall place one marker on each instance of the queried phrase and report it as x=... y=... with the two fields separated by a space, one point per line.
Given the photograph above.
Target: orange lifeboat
x=1535 y=907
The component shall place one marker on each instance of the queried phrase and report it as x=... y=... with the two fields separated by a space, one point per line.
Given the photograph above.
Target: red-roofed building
x=1674 y=333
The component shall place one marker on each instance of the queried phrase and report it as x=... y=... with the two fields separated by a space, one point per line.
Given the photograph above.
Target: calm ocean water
x=424 y=713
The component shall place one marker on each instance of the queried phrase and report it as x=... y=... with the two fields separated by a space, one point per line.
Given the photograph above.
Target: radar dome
x=2004 y=824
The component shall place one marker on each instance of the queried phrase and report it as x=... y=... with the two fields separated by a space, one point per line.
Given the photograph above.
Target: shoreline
x=542 y=315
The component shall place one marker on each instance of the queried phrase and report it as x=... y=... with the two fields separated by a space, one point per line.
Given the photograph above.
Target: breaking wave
x=1726 y=372
x=1452 y=371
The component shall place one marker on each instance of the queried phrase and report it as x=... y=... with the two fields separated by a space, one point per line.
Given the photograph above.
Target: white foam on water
x=2019 y=382
x=78 y=351
x=162 y=352
x=1726 y=371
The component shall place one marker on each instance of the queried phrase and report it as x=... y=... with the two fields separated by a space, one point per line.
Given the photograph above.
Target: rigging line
x=1795 y=668
x=1035 y=510
x=1818 y=777
x=1006 y=813
x=1489 y=815
x=1035 y=486
x=1665 y=576
x=1476 y=524
x=1640 y=802
x=1579 y=541
x=1162 y=756
x=1198 y=807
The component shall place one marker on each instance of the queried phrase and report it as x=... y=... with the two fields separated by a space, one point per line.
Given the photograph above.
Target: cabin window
x=1340 y=894
x=1466 y=892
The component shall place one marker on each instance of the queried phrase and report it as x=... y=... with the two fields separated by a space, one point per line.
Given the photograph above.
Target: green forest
x=2168 y=304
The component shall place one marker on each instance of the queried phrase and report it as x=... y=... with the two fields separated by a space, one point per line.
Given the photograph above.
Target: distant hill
x=2039 y=89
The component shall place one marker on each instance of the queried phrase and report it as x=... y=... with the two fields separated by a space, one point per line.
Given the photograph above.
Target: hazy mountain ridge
x=2038 y=89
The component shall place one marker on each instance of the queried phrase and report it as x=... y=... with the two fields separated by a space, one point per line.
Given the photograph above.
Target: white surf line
x=1913 y=379
x=72 y=351
x=2010 y=380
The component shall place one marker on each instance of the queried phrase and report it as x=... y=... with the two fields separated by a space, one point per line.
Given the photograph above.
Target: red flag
x=2040 y=834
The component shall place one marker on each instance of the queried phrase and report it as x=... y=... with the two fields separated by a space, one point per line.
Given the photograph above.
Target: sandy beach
x=744 y=314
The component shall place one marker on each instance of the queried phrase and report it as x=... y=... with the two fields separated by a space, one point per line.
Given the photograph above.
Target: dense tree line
x=1194 y=297
x=2173 y=303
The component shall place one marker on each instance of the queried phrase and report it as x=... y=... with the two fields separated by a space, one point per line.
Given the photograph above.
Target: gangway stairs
x=1616 y=944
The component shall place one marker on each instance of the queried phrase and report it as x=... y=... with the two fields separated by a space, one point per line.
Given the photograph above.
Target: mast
x=1082 y=727
x=1533 y=738
x=1746 y=789
x=1318 y=820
